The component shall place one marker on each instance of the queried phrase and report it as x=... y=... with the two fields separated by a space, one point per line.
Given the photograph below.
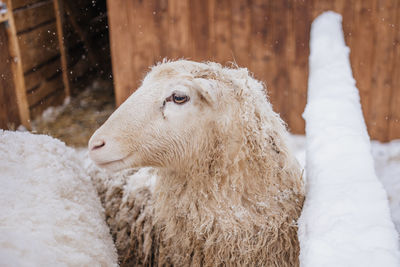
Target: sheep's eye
x=179 y=99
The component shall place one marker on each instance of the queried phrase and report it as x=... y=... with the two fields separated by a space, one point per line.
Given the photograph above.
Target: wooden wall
x=271 y=38
x=36 y=27
x=40 y=38
x=9 y=115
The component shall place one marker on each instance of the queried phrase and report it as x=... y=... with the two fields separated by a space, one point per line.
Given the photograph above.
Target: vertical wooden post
x=16 y=68
x=60 y=34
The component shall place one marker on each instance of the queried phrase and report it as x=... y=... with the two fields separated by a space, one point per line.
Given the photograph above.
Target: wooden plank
x=269 y=37
x=38 y=46
x=346 y=9
x=212 y=35
x=140 y=32
x=289 y=101
x=179 y=29
x=394 y=118
x=58 y=10
x=259 y=52
x=23 y=3
x=121 y=15
x=146 y=42
x=29 y=18
x=241 y=32
x=46 y=87
x=161 y=21
x=34 y=78
x=362 y=51
x=320 y=6
x=223 y=32
x=200 y=30
x=9 y=113
x=382 y=81
x=54 y=99
x=276 y=72
x=17 y=70
x=301 y=23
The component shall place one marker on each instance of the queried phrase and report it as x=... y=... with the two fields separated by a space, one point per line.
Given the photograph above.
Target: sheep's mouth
x=115 y=165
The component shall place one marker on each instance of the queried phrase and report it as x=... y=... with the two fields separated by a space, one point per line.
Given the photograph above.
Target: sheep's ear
x=207 y=89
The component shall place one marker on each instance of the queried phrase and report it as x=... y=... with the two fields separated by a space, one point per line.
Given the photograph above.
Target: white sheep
x=50 y=214
x=229 y=190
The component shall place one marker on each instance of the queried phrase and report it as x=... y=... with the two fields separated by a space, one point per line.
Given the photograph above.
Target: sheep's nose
x=96 y=144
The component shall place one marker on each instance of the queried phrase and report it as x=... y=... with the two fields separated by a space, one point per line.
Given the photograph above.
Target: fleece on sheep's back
x=50 y=214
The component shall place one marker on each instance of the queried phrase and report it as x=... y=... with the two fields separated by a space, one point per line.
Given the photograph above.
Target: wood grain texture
x=34 y=78
x=24 y=3
x=121 y=16
x=269 y=37
x=241 y=32
x=178 y=45
x=9 y=114
x=45 y=88
x=383 y=61
x=394 y=118
x=38 y=46
x=222 y=51
x=59 y=11
x=30 y=17
x=17 y=69
x=35 y=55
x=200 y=30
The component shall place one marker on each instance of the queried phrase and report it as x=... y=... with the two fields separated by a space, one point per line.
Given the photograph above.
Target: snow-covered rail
x=346 y=218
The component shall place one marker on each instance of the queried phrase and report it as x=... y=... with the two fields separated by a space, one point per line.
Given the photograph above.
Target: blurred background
x=66 y=65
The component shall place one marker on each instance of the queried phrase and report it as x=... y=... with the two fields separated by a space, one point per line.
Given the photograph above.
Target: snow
x=346 y=218
x=3 y=8
x=51 y=113
x=50 y=214
x=387 y=167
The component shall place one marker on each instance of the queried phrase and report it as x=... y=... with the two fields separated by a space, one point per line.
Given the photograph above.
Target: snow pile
x=387 y=167
x=50 y=214
x=346 y=218
x=51 y=113
x=3 y=8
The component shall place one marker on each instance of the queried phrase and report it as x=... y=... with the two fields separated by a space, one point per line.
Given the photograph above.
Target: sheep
x=50 y=213
x=229 y=190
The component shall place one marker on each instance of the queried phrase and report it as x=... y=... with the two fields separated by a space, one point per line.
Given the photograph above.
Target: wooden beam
x=31 y=17
x=64 y=68
x=16 y=68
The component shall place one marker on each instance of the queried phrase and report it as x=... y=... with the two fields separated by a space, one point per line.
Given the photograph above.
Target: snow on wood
x=50 y=214
x=346 y=218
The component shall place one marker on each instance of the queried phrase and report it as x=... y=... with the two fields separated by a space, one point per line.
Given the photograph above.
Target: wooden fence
x=271 y=38
x=48 y=49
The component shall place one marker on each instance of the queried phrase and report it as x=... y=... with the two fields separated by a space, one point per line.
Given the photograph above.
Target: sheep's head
x=166 y=122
